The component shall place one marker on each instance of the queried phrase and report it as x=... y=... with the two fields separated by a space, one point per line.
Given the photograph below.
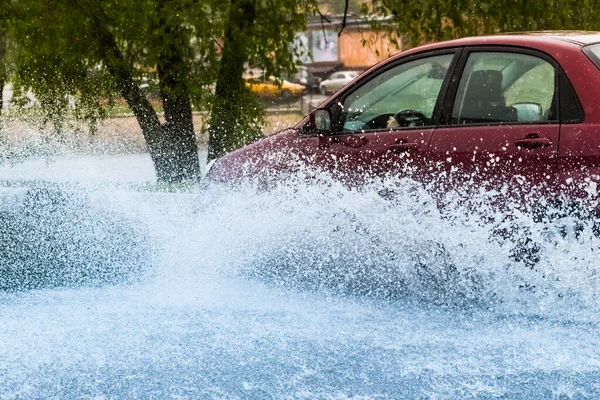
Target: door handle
x=533 y=141
x=354 y=142
x=403 y=147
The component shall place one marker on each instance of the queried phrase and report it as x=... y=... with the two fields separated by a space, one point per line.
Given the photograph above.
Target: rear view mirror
x=436 y=72
x=528 y=112
x=320 y=120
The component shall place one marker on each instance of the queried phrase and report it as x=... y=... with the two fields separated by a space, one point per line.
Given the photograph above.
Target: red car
x=506 y=112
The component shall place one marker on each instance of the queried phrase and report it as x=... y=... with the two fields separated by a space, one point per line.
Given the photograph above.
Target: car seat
x=484 y=99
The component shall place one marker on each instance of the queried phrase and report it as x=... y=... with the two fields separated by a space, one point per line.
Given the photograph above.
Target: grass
x=274 y=121
x=22 y=138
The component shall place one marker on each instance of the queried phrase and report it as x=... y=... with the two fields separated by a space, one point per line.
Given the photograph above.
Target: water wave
x=58 y=236
x=307 y=290
x=389 y=239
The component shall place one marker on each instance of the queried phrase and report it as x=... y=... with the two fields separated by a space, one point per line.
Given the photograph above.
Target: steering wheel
x=411 y=118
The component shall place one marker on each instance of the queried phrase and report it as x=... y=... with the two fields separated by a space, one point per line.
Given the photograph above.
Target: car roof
x=540 y=39
x=581 y=38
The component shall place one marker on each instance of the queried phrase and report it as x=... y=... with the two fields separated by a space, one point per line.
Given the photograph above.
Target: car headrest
x=485 y=86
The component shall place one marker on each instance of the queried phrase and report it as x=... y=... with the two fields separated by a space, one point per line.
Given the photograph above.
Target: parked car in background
x=269 y=87
x=506 y=113
x=305 y=77
x=336 y=81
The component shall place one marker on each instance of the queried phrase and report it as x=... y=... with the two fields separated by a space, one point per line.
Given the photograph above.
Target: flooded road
x=305 y=292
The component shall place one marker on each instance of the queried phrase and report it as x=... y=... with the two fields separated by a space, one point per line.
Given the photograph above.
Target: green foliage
x=58 y=48
x=337 y=7
x=434 y=20
x=259 y=33
x=238 y=118
x=76 y=55
x=274 y=29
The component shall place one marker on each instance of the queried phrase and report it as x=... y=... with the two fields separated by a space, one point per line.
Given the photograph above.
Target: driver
x=407 y=119
x=392 y=123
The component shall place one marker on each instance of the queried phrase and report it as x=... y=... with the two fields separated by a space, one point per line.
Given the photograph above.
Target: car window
x=403 y=96
x=502 y=87
x=593 y=52
x=335 y=76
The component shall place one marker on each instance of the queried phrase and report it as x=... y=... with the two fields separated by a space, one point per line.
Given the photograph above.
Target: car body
x=509 y=113
x=270 y=87
x=336 y=81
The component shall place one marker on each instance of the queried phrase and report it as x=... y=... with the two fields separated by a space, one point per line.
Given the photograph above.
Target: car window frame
x=451 y=96
x=570 y=109
x=335 y=105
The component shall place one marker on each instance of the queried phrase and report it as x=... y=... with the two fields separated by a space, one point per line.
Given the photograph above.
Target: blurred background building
x=324 y=49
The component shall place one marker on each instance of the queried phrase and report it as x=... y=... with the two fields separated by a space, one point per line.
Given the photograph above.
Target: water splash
x=56 y=236
x=366 y=242
x=313 y=291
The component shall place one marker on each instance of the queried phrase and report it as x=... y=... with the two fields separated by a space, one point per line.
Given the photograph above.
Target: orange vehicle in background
x=270 y=87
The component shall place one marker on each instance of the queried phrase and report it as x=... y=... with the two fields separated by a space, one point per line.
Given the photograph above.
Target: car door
x=579 y=152
x=501 y=126
x=384 y=124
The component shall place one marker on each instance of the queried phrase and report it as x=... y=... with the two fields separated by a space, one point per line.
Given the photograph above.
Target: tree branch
x=345 y=19
x=121 y=71
x=323 y=18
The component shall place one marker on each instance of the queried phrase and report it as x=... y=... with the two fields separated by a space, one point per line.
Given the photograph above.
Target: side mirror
x=529 y=112
x=320 y=120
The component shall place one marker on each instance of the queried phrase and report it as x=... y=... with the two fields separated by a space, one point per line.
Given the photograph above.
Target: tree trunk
x=2 y=84
x=226 y=110
x=172 y=146
x=2 y=67
x=178 y=132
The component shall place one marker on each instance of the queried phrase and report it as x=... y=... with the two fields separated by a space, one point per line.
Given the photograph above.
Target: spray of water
x=366 y=242
x=307 y=290
x=385 y=240
x=56 y=236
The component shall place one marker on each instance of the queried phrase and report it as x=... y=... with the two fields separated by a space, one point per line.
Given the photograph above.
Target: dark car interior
x=484 y=99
